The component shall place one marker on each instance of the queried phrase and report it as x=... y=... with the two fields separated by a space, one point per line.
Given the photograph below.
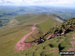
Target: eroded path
x=21 y=44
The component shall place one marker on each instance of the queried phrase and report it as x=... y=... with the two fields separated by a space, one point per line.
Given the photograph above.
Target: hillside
x=9 y=36
x=54 y=45
x=45 y=26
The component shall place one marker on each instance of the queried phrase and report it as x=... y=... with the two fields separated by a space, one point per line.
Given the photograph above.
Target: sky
x=39 y=2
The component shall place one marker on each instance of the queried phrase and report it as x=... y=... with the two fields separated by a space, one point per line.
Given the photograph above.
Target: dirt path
x=49 y=36
x=21 y=44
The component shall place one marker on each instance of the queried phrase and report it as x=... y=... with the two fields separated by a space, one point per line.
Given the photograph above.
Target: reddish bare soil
x=49 y=36
x=21 y=44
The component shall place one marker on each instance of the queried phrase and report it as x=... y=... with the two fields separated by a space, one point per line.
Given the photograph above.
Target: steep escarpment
x=50 y=37
x=60 y=38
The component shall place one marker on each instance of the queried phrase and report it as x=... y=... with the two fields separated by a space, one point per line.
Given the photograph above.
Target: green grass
x=45 y=26
x=10 y=36
x=32 y=19
x=7 y=43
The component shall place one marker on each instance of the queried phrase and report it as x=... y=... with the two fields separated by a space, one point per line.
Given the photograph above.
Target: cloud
x=37 y=2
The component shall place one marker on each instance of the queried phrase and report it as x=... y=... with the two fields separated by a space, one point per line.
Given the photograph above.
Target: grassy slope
x=10 y=36
x=45 y=49
x=45 y=26
x=8 y=41
x=31 y=19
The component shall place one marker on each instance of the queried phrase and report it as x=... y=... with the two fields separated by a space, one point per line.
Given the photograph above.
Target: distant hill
x=11 y=12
